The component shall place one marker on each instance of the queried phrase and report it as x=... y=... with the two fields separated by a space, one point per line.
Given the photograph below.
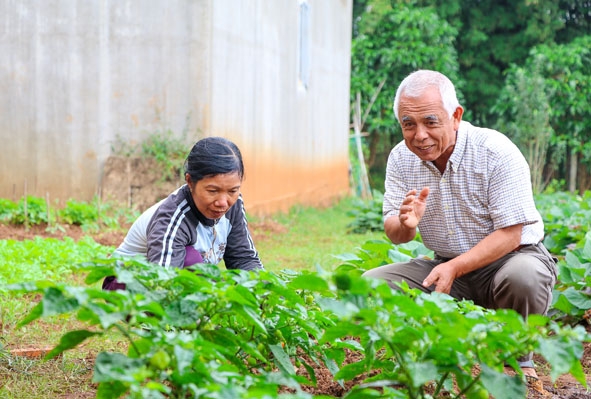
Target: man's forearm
x=396 y=232
x=493 y=247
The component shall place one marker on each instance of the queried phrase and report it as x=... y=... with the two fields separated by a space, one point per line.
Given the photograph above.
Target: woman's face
x=214 y=195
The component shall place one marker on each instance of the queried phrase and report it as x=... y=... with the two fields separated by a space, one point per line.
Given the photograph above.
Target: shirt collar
x=459 y=148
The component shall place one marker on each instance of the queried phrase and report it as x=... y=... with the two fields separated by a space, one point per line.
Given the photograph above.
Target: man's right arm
x=396 y=232
x=402 y=228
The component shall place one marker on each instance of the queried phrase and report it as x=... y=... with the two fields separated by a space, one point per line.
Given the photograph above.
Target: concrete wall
x=79 y=77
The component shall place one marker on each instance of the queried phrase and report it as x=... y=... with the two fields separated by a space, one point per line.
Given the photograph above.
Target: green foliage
x=90 y=215
x=567 y=218
x=7 y=209
x=393 y=40
x=168 y=150
x=48 y=258
x=524 y=110
x=559 y=75
x=572 y=293
x=216 y=334
x=79 y=213
x=31 y=211
x=367 y=214
x=567 y=69
x=378 y=253
x=493 y=35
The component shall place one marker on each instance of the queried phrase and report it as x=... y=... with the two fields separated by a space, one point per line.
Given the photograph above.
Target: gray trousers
x=521 y=280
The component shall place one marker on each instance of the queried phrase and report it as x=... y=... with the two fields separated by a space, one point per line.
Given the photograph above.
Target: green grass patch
x=45 y=258
x=307 y=237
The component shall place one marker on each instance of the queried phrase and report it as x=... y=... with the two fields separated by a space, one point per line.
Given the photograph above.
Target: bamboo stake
x=25 y=210
x=47 y=208
x=365 y=190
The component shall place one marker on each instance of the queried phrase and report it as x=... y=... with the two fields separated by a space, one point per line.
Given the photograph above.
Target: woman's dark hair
x=213 y=156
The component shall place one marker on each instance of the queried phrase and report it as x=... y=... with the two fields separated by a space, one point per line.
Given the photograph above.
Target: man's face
x=427 y=129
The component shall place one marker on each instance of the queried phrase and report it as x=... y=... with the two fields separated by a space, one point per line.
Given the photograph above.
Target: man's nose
x=421 y=133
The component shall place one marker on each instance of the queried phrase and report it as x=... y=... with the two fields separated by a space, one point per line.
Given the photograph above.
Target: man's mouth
x=424 y=148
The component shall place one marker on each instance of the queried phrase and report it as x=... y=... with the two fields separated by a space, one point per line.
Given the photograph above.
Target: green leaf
x=577 y=298
x=309 y=281
x=251 y=316
x=54 y=302
x=351 y=370
x=282 y=359
x=587 y=246
x=115 y=367
x=241 y=295
x=421 y=373
x=562 y=355
x=70 y=340
x=111 y=389
x=33 y=315
x=501 y=385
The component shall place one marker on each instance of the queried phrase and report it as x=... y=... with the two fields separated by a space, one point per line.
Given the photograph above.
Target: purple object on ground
x=192 y=256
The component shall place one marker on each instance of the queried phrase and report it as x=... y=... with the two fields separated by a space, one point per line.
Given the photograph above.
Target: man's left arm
x=493 y=247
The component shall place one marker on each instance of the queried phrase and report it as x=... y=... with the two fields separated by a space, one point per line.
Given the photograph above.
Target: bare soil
x=566 y=387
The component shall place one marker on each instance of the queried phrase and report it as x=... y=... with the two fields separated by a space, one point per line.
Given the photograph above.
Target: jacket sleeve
x=168 y=235
x=240 y=250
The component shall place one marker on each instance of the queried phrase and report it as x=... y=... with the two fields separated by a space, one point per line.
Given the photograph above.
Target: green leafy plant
x=572 y=293
x=208 y=333
x=167 y=150
x=567 y=218
x=367 y=214
x=420 y=345
x=45 y=258
x=33 y=210
x=377 y=253
x=7 y=210
x=190 y=332
x=79 y=213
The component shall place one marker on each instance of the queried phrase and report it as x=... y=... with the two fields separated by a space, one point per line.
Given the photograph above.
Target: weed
x=168 y=150
x=79 y=213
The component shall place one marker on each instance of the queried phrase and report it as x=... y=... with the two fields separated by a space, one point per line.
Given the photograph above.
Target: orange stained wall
x=296 y=185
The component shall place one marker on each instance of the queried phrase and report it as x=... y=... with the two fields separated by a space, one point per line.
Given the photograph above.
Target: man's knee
x=525 y=273
x=525 y=284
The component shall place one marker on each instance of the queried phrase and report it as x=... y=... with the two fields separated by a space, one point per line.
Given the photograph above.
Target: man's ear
x=457 y=116
x=188 y=178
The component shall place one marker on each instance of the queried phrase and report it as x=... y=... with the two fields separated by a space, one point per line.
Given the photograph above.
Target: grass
x=303 y=238
x=307 y=237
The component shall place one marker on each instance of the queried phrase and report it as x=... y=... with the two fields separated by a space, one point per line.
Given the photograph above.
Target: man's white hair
x=417 y=82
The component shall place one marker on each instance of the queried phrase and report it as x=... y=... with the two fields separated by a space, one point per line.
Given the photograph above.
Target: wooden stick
x=47 y=208
x=25 y=206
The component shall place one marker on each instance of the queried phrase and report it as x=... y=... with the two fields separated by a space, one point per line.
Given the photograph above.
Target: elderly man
x=467 y=190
